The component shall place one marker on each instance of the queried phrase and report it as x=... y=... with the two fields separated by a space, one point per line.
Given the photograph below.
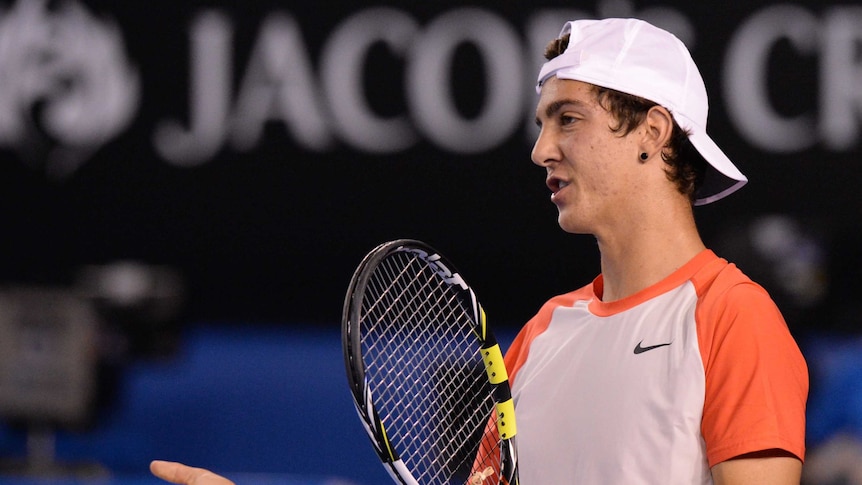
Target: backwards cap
x=635 y=57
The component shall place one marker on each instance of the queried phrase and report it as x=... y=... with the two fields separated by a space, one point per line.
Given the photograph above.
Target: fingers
x=186 y=475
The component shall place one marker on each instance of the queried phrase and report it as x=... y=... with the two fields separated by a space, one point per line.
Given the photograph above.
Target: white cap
x=635 y=57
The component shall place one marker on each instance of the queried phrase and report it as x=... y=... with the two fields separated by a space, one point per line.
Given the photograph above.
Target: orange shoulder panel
x=520 y=348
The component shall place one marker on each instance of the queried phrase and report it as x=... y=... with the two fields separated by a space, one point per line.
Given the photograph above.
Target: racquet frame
x=485 y=343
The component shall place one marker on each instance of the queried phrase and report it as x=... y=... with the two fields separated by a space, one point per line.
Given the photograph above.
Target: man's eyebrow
x=558 y=105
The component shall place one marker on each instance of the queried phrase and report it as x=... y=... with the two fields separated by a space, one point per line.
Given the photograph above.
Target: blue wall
x=250 y=399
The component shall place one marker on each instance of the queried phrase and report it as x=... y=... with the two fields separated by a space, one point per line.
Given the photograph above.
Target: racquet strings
x=424 y=369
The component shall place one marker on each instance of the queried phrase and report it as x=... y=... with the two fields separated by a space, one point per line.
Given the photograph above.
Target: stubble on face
x=582 y=153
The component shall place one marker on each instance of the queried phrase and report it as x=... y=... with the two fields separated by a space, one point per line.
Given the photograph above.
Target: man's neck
x=642 y=254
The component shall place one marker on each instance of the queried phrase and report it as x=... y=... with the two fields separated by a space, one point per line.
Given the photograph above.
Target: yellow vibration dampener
x=494 y=365
x=506 y=419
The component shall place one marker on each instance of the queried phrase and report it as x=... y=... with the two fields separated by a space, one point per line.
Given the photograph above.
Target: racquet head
x=426 y=374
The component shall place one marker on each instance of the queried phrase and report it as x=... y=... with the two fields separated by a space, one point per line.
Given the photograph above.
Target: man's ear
x=658 y=129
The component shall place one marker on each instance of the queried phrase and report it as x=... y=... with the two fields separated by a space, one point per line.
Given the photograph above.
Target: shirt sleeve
x=756 y=377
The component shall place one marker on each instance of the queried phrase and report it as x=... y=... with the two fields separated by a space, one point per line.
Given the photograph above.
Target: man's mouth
x=555 y=184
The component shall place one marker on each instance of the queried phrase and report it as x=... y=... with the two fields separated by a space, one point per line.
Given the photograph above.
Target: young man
x=671 y=367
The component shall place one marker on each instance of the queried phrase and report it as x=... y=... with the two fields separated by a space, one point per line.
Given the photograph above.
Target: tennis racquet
x=427 y=375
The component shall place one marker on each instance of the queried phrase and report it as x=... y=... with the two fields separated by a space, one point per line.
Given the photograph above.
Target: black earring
x=644 y=156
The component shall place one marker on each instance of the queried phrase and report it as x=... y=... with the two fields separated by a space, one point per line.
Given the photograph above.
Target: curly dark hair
x=685 y=167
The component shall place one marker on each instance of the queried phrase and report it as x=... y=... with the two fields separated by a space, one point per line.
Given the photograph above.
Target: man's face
x=592 y=171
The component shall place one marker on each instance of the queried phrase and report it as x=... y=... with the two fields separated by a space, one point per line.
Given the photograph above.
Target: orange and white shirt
x=657 y=387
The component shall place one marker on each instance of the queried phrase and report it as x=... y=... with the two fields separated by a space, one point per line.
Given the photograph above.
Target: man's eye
x=567 y=120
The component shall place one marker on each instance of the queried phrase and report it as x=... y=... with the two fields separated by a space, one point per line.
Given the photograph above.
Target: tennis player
x=671 y=367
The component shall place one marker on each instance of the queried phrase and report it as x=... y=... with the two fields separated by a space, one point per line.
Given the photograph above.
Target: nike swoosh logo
x=640 y=350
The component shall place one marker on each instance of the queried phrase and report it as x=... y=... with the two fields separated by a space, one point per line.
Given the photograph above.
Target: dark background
x=265 y=238
x=272 y=234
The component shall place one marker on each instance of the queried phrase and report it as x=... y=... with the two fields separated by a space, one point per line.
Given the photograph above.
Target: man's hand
x=178 y=473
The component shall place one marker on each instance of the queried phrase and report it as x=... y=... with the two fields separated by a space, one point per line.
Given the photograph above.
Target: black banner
x=261 y=148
